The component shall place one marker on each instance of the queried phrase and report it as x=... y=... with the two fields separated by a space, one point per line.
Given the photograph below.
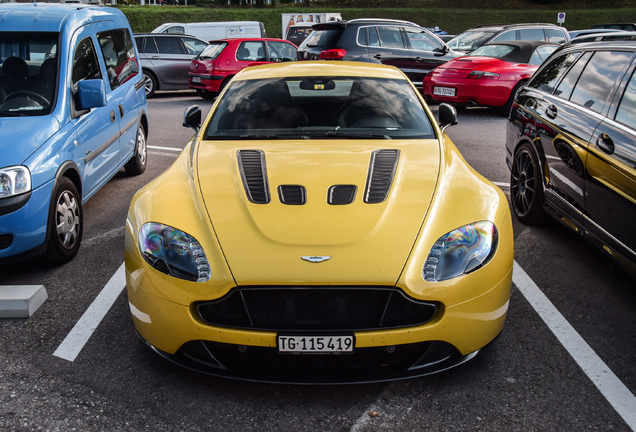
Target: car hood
x=21 y=136
x=367 y=243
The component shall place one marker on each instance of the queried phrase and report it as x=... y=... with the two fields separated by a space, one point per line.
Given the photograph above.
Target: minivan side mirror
x=91 y=94
x=447 y=115
x=192 y=118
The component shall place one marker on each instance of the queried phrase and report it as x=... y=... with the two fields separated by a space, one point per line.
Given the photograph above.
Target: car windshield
x=494 y=51
x=28 y=73
x=212 y=51
x=470 y=40
x=320 y=108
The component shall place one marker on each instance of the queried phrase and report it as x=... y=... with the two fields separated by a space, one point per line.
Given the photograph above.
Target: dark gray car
x=165 y=60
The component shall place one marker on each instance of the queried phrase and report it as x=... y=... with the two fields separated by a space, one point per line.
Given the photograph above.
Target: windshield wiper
x=356 y=135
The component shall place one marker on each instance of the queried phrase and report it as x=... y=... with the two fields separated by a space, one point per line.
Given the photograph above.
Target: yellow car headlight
x=461 y=251
x=173 y=252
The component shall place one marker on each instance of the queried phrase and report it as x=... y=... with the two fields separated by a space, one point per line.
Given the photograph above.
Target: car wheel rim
x=141 y=146
x=67 y=220
x=523 y=181
x=148 y=83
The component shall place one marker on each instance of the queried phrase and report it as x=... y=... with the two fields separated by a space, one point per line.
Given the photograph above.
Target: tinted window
x=569 y=81
x=147 y=45
x=119 y=56
x=374 y=39
x=531 y=34
x=421 y=40
x=168 y=45
x=390 y=37
x=547 y=79
x=541 y=54
x=193 y=46
x=362 y=36
x=555 y=36
x=626 y=113
x=598 y=78
x=505 y=36
x=323 y=38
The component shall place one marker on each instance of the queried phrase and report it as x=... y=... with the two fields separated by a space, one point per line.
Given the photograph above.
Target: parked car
x=487 y=34
x=489 y=76
x=73 y=112
x=215 y=66
x=209 y=31
x=446 y=37
x=571 y=145
x=287 y=241
x=588 y=32
x=618 y=26
x=165 y=60
x=299 y=32
x=605 y=35
x=405 y=45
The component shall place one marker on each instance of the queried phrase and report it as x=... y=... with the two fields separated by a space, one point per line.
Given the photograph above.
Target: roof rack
x=357 y=20
x=601 y=37
x=513 y=25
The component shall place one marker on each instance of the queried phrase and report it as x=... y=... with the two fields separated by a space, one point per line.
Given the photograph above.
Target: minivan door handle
x=551 y=111
x=605 y=143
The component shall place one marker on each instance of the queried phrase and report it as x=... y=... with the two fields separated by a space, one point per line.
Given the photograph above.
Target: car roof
x=48 y=17
x=523 y=50
x=625 y=38
x=499 y=27
x=320 y=68
x=361 y=21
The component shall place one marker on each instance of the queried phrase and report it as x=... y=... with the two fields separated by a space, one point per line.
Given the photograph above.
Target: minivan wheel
x=66 y=224
x=137 y=164
x=206 y=94
x=150 y=82
x=526 y=186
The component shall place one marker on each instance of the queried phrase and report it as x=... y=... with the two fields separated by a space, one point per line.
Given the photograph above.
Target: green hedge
x=147 y=18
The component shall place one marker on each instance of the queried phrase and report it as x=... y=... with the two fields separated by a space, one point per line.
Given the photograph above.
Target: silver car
x=165 y=60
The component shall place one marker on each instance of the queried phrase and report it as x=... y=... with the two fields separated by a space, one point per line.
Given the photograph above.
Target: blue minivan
x=73 y=112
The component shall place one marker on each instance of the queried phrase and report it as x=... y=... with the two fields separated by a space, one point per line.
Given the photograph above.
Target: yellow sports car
x=319 y=228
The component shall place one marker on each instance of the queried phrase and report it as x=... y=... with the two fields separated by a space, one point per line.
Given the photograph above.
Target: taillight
x=483 y=75
x=333 y=54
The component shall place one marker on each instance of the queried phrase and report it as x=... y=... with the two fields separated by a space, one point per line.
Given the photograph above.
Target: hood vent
x=254 y=175
x=381 y=172
x=292 y=194
x=341 y=194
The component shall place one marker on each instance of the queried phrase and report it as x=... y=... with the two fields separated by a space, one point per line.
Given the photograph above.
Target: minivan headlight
x=14 y=180
x=173 y=252
x=461 y=251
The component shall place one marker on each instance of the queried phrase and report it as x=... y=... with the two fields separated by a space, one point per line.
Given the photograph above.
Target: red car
x=489 y=75
x=215 y=66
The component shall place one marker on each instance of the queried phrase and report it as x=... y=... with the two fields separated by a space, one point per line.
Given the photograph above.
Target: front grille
x=316 y=309
x=341 y=194
x=381 y=172
x=5 y=241
x=292 y=194
x=254 y=175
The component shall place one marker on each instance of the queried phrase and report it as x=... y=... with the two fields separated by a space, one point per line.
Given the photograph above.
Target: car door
x=171 y=62
x=386 y=46
x=125 y=84
x=426 y=54
x=98 y=144
x=610 y=204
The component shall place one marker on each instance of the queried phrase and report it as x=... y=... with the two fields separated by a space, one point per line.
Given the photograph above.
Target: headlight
x=173 y=252
x=461 y=251
x=14 y=180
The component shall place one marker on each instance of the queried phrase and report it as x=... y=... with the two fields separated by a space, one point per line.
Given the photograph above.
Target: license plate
x=315 y=344
x=196 y=80
x=444 y=91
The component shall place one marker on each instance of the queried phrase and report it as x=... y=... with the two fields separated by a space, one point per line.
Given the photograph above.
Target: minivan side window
x=85 y=64
x=598 y=79
x=549 y=76
x=119 y=56
x=626 y=113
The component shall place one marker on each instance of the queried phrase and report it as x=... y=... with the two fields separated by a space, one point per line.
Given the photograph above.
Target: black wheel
x=526 y=186
x=66 y=225
x=505 y=110
x=224 y=83
x=206 y=94
x=150 y=82
x=137 y=164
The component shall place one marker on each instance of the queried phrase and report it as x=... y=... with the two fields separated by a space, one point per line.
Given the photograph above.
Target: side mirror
x=447 y=115
x=91 y=94
x=192 y=118
x=442 y=51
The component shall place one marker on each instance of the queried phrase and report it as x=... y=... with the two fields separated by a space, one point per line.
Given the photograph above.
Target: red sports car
x=489 y=75
x=215 y=66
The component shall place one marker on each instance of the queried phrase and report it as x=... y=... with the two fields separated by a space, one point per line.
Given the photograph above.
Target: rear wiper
x=356 y=135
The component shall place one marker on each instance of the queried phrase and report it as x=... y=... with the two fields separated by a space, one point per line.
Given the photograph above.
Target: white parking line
x=616 y=393
x=174 y=149
x=84 y=328
x=501 y=184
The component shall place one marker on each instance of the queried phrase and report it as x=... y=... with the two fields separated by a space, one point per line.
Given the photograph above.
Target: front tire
x=206 y=94
x=137 y=164
x=526 y=186
x=66 y=224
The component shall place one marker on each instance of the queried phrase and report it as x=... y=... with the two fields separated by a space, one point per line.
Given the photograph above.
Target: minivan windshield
x=320 y=107
x=470 y=40
x=28 y=73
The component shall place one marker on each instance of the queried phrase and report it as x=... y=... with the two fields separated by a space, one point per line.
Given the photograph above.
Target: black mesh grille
x=5 y=241
x=252 y=166
x=381 y=171
x=292 y=194
x=316 y=309
x=341 y=194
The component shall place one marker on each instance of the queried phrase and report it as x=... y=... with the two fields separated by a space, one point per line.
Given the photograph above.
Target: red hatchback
x=489 y=75
x=215 y=66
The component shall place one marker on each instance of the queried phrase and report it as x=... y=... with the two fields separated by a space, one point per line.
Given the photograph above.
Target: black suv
x=571 y=144
x=413 y=49
x=487 y=34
